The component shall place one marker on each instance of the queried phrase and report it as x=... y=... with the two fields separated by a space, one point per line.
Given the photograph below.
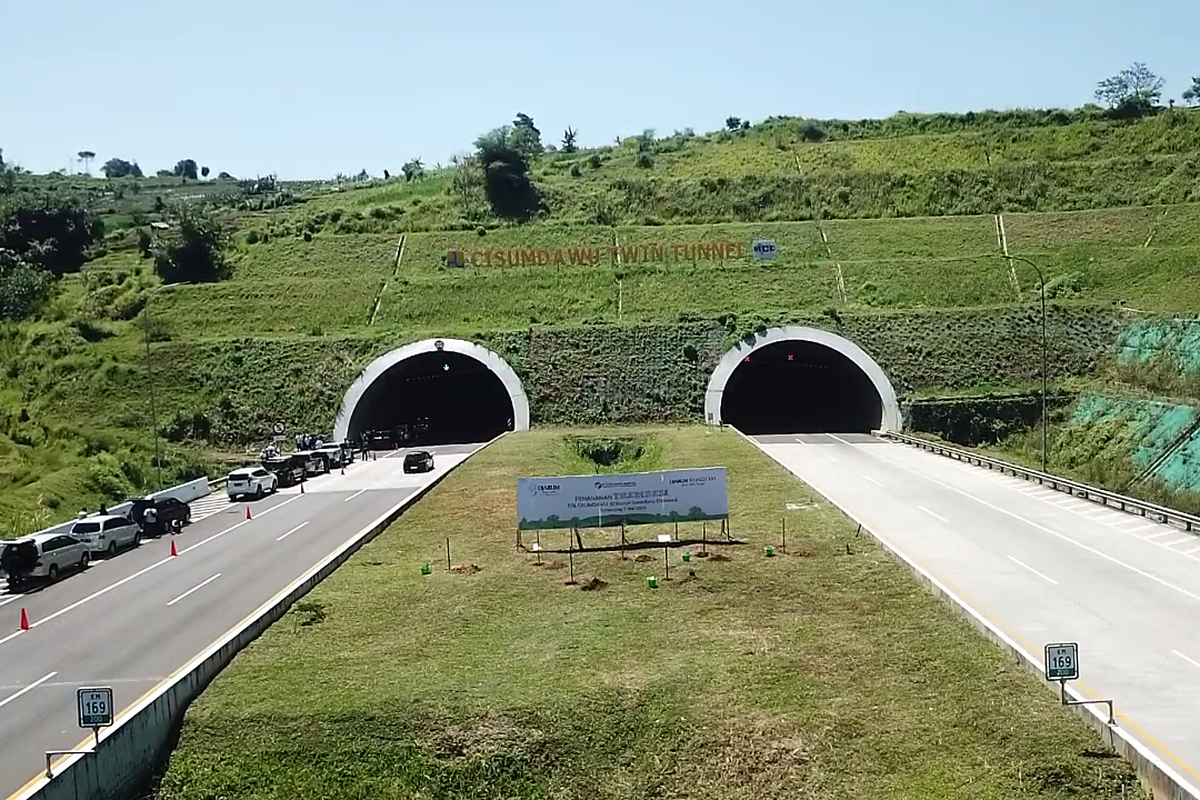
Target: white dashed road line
x=935 y=516
x=1034 y=571
x=31 y=686
x=195 y=588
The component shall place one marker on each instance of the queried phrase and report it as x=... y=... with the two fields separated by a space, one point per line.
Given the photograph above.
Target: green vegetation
x=284 y=291
x=722 y=683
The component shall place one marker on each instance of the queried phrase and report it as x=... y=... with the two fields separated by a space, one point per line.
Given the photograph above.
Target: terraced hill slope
x=1108 y=210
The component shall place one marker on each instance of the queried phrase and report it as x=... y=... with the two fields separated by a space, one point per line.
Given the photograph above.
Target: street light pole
x=1042 y=287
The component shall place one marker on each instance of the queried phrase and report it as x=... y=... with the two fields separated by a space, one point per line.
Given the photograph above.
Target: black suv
x=172 y=513
x=418 y=461
x=289 y=469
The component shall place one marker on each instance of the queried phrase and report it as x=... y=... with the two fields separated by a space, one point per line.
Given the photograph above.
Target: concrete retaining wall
x=128 y=751
x=1160 y=780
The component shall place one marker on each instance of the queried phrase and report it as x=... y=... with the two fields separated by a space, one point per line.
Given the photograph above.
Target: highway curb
x=1157 y=777
x=128 y=751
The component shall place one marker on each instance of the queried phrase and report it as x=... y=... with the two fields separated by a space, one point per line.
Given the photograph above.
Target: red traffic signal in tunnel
x=791 y=357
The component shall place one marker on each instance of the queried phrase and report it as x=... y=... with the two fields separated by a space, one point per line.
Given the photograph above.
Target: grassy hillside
x=882 y=226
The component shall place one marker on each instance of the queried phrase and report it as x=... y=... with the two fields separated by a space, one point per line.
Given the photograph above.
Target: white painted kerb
x=891 y=420
x=375 y=370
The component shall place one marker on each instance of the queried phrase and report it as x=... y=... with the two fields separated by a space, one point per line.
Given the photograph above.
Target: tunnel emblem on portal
x=439 y=344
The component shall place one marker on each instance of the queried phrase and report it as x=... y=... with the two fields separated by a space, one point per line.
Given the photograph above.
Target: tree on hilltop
x=86 y=157
x=526 y=139
x=1132 y=92
x=120 y=168
x=204 y=172
x=568 y=140
x=413 y=169
x=186 y=169
x=1191 y=95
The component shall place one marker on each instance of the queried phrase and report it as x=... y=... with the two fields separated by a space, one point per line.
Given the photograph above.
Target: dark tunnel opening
x=800 y=387
x=434 y=398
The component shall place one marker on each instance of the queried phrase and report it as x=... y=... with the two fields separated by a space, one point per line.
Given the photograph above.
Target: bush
x=195 y=252
x=645 y=160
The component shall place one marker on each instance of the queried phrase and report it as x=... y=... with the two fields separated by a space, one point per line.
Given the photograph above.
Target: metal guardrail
x=1130 y=505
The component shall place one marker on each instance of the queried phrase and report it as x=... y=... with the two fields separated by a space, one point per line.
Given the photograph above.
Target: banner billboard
x=640 y=498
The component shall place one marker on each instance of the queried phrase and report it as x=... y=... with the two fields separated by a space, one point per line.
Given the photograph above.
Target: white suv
x=107 y=534
x=255 y=481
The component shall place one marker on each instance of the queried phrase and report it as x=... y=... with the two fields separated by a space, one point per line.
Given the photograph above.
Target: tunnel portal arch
x=458 y=349
x=842 y=349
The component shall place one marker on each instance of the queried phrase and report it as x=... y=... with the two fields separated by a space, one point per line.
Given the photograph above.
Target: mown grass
x=817 y=673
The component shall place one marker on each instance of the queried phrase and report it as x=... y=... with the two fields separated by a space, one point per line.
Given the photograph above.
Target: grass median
x=826 y=671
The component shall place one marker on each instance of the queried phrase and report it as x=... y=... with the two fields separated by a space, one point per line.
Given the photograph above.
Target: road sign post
x=95 y=708
x=1062 y=665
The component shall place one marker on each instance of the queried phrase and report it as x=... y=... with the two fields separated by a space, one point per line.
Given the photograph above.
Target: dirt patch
x=554 y=564
x=718 y=557
x=643 y=558
x=465 y=569
x=592 y=584
x=800 y=552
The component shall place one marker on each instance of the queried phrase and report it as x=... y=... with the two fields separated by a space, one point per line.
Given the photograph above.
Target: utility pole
x=1042 y=287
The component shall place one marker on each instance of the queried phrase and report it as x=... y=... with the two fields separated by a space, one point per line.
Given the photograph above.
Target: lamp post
x=1042 y=287
x=150 y=382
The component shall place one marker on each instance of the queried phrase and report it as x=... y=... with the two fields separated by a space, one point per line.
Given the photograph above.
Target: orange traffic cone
x=24 y=620
x=247 y=512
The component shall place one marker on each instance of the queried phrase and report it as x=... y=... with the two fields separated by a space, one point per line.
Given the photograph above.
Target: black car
x=289 y=469
x=172 y=513
x=379 y=440
x=418 y=461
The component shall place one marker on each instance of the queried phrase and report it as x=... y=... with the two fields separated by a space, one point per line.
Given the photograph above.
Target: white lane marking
x=935 y=516
x=801 y=441
x=31 y=686
x=289 y=533
x=1149 y=527
x=831 y=458
x=8 y=600
x=1056 y=534
x=89 y=682
x=356 y=494
x=1193 y=550
x=139 y=573
x=11 y=636
x=1034 y=571
x=1177 y=542
x=1185 y=658
x=203 y=542
x=872 y=480
x=1158 y=535
x=195 y=588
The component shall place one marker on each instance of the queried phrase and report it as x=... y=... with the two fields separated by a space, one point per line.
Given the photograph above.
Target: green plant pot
x=425 y=569
x=687 y=556
x=652 y=582
x=769 y=550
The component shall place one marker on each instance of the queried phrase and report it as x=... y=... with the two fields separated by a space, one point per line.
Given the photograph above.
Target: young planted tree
x=413 y=169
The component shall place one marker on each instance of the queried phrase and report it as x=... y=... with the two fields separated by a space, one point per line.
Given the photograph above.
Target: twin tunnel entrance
x=789 y=380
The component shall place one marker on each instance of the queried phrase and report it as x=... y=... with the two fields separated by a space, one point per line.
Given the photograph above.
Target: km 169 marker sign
x=640 y=498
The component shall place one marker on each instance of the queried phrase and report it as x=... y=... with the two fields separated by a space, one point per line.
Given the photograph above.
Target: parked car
x=289 y=469
x=418 y=461
x=172 y=513
x=314 y=463
x=42 y=556
x=107 y=534
x=251 y=481
x=379 y=440
x=335 y=454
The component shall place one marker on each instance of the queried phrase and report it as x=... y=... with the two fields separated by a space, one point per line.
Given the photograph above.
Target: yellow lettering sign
x=592 y=255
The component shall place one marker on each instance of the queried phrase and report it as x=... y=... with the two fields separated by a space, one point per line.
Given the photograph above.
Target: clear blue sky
x=309 y=89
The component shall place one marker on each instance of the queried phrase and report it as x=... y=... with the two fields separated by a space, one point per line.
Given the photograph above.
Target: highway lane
x=134 y=621
x=1043 y=566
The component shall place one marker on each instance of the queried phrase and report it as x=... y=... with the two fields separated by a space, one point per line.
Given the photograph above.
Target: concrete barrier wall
x=184 y=492
x=1156 y=776
x=132 y=747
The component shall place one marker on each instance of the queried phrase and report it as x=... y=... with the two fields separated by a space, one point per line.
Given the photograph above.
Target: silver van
x=43 y=555
x=107 y=534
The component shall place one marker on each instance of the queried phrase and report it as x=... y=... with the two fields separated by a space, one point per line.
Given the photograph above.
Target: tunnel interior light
x=445 y=367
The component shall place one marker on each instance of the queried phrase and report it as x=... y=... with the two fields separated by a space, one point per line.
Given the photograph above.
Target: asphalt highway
x=1041 y=565
x=130 y=621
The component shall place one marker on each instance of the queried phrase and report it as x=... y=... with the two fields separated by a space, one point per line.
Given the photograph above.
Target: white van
x=43 y=555
x=107 y=534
